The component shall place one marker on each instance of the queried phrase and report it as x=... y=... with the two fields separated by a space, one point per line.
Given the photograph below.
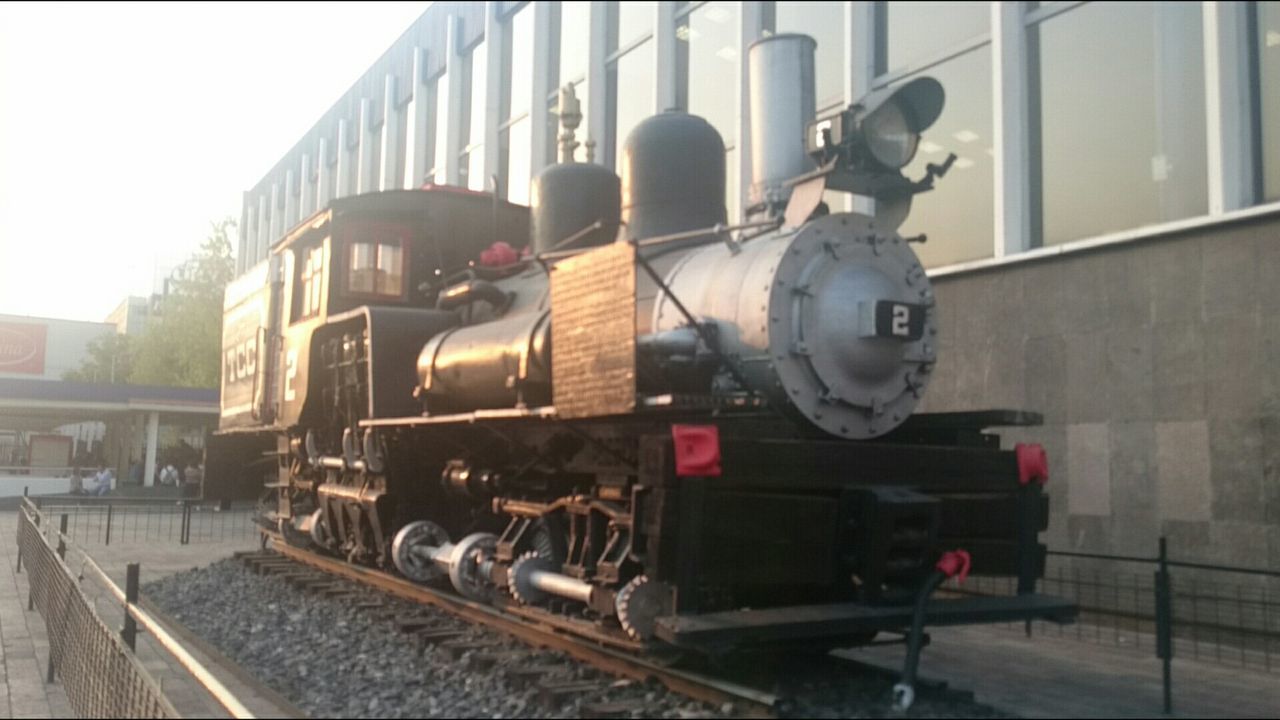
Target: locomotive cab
x=359 y=278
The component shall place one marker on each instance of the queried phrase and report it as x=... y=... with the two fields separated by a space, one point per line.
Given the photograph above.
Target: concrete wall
x=1156 y=364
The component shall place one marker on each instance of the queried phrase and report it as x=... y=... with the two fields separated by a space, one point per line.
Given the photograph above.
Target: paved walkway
x=1049 y=677
x=24 y=645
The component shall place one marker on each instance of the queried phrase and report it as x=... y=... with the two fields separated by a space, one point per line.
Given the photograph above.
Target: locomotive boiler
x=623 y=415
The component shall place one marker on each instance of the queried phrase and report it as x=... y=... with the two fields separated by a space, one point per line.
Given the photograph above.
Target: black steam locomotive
x=648 y=426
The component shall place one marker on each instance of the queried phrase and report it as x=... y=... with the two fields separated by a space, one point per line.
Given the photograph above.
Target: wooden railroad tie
x=607 y=709
x=522 y=677
x=554 y=693
x=486 y=660
x=457 y=648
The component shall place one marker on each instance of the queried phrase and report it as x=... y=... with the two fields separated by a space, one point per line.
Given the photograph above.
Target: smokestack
x=781 y=87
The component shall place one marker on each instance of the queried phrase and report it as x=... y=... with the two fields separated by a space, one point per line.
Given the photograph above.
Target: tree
x=182 y=346
x=110 y=361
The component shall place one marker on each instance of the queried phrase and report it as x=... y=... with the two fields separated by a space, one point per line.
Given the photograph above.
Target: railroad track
x=315 y=573
x=790 y=681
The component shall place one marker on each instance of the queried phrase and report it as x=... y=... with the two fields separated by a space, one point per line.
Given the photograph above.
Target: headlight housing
x=890 y=135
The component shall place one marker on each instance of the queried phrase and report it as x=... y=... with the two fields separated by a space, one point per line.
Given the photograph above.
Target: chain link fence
x=101 y=675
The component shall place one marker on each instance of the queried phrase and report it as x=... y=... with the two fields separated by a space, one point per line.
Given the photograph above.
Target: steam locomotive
x=648 y=426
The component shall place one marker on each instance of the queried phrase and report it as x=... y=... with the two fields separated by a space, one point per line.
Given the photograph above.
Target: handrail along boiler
x=650 y=427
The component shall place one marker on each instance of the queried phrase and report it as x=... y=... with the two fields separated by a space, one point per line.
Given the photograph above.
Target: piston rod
x=562 y=585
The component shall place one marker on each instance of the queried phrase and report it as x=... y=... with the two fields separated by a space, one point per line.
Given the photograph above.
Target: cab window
x=309 y=282
x=375 y=259
x=376 y=268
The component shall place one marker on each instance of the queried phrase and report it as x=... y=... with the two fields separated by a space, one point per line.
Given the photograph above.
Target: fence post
x=1164 y=625
x=108 y=539
x=31 y=591
x=22 y=516
x=62 y=533
x=130 y=630
x=62 y=553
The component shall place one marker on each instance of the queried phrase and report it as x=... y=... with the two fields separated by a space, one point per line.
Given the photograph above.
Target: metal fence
x=1216 y=613
x=107 y=522
x=99 y=670
x=101 y=675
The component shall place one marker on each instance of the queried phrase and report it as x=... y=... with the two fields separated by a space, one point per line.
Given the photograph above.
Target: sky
x=127 y=129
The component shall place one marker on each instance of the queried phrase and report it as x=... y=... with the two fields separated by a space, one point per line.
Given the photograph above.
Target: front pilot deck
x=725 y=630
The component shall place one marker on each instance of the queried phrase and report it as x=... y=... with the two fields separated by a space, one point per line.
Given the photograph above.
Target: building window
x=631 y=77
x=707 y=53
x=572 y=26
x=1118 y=118
x=518 y=161
x=517 y=101
x=949 y=42
x=428 y=94
x=1269 y=97
x=824 y=22
x=471 y=158
x=915 y=32
x=957 y=216
x=632 y=21
x=442 y=129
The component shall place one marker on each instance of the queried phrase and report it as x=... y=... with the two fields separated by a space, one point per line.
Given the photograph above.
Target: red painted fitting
x=954 y=563
x=1033 y=463
x=697 y=450
x=499 y=254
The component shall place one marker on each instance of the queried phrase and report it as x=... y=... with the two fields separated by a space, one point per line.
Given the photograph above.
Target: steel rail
x=698 y=687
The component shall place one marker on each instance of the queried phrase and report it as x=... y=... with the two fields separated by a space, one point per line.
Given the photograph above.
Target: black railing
x=129 y=521
x=1183 y=608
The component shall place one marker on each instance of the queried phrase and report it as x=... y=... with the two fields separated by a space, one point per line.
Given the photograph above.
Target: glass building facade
x=1071 y=121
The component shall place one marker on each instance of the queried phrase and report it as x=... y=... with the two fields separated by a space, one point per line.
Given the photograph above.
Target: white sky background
x=126 y=129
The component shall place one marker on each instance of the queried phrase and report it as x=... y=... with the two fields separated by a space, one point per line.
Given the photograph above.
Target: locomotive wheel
x=408 y=550
x=320 y=530
x=469 y=555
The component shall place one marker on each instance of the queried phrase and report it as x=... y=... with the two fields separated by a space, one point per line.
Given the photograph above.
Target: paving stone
x=1046 y=677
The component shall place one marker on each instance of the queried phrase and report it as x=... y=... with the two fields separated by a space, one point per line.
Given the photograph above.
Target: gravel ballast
x=332 y=659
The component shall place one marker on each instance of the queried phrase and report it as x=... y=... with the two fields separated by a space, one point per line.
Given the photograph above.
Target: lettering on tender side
x=593 y=332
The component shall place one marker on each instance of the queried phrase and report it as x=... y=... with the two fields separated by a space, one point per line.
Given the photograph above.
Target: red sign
x=22 y=348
